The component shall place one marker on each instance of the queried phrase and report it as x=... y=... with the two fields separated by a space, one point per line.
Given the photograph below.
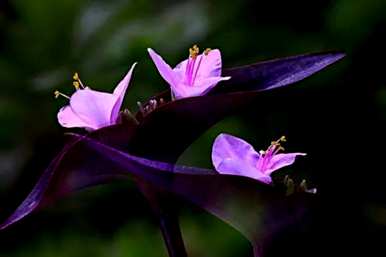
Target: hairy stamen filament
x=190 y=67
x=271 y=151
x=198 y=67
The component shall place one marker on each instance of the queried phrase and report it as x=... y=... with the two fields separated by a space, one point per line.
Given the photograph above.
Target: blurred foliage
x=43 y=42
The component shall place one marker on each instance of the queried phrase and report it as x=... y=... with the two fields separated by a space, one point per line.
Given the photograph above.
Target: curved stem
x=171 y=232
x=162 y=205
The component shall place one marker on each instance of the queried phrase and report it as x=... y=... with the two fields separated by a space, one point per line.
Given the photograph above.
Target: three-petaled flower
x=91 y=109
x=234 y=156
x=194 y=76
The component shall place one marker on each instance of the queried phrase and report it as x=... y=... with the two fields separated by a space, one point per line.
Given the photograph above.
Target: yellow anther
x=195 y=48
x=57 y=94
x=76 y=85
x=194 y=51
x=277 y=144
x=261 y=152
x=206 y=52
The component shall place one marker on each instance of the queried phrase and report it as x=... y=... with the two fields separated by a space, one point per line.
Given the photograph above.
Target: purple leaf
x=70 y=171
x=253 y=208
x=277 y=73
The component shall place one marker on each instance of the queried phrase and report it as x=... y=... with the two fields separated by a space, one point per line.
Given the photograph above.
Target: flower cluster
x=195 y=76
x=164 y=127
x=91 y=109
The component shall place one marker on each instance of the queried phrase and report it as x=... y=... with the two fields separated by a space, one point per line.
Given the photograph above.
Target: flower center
x=272 y=150
x=191 y=67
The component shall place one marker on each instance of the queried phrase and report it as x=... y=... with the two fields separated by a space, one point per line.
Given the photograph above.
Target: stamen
x=206 y=51
x=77 y=82
x=76 y=76
x=57 y=94
x=191 y=67
x=276 y=145
x=76 y=85
x=271 y=151
x=194 y=51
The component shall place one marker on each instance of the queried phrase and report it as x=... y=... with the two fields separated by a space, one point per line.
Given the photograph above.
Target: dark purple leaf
x=67 y=172
x=255 y=209
x=277 y=73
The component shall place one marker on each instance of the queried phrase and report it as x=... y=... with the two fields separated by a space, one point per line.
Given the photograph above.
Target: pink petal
x=227 y=146
x=93 y=107
x=119 y=92
x=68 y=119
x=238 y=168
x=281 y=160
x=163 y=68
x=201 y=87
x=234 y=156
x=208 y=83
x=210 y=65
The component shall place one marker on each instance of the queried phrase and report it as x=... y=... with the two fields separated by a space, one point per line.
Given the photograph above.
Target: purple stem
x=171 y=232
x=161 y=204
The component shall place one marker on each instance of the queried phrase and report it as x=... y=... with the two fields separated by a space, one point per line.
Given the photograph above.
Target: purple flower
x=234 y=156
x=194 y=76
x=91 y=109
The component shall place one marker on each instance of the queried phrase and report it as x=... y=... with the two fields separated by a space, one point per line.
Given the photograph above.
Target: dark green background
x=337 y=117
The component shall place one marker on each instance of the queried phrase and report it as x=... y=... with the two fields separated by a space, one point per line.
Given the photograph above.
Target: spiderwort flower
x=234 y=156
x=91 y=109
x=193 y=77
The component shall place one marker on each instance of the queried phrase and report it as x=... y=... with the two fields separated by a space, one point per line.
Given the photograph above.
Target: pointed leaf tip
x=278 y=72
